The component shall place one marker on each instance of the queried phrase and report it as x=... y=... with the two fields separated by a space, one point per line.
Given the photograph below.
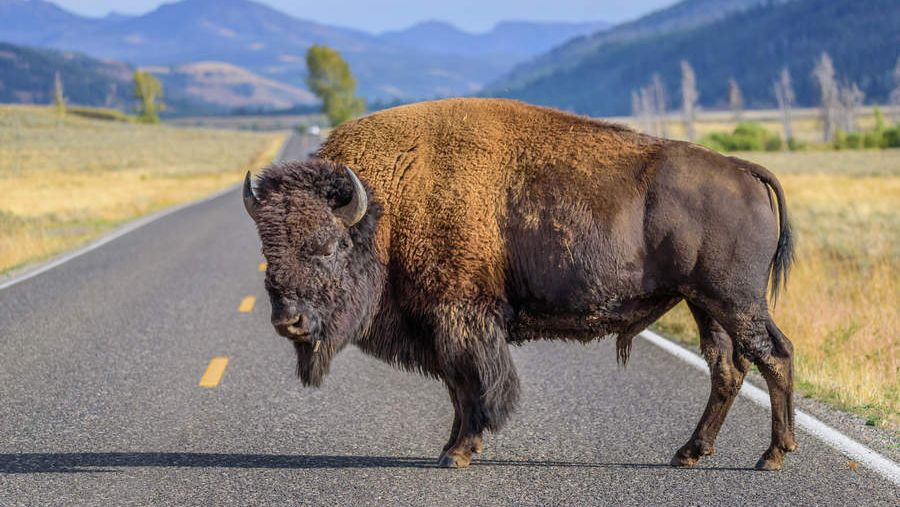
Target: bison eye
x=325 y=250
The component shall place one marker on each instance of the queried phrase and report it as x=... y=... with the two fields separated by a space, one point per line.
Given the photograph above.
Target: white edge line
x=832 y=437
x=115 y=234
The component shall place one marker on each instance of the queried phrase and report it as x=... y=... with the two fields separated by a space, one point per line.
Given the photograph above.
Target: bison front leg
x=727 y=371
x=457 y=419
x=478 y=445
x=477 y=367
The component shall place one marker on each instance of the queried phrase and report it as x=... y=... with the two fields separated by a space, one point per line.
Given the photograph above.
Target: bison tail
x=784 y=252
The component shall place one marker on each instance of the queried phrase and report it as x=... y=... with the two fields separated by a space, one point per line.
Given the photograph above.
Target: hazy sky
x=377 y=16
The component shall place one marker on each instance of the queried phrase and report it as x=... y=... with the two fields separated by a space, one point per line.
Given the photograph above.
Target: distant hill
x=273 y=44
x=508 y=39
x=681 y=16
x=219 y=85
x=27 y=76
x=862 y=37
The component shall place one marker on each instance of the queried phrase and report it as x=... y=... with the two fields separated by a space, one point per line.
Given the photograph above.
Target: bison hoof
x=791 y=445
x=683 y=461
x=769 y=465
x=449 y=460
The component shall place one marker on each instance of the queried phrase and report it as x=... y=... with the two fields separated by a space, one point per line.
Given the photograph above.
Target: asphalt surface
x=100 y=360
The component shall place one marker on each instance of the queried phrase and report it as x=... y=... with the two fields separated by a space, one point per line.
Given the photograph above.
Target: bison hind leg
x=756 y=338
x=476 y=365
x=726 y=371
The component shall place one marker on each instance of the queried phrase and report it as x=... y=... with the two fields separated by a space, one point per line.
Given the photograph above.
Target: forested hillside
x=684 y=15
x=862 y=37
x=27 y=76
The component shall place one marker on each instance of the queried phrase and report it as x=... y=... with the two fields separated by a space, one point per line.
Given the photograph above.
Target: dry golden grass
x=842 y=306
x=66 y=180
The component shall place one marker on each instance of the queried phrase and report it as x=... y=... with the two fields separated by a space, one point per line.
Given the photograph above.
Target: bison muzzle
x=434 y=235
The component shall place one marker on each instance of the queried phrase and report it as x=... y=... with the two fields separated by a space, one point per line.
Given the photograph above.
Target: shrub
x=745 y=137
x=854 y=140
x=794 y=144
x=873 y=139
x=99 y=113
x=840 y=140
x=890 y=138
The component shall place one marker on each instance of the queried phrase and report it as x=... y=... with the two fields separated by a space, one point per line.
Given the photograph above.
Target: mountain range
x=27 y=76
x=218 y=55
x=681 y=16
x=427 y=60
x=748 y=40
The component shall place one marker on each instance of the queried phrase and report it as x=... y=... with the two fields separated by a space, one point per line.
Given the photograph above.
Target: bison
x=433 y=235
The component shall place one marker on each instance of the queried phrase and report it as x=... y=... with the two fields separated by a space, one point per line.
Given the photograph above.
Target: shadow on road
x=26 y=463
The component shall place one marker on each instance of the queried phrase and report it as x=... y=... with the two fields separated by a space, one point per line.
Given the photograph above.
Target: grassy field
x=842 y=306
x=66 y=180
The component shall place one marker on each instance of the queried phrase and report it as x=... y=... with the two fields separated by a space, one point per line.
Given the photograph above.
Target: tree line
x=328 y=77
x=839 y=101
x=148 y=92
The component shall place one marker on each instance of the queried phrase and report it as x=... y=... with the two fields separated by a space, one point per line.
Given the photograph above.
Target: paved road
x=101 y=357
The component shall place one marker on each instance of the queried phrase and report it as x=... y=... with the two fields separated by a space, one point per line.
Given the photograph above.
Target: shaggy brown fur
x=491 y=221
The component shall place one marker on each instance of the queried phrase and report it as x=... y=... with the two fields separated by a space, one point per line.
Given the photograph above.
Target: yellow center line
x=262 y=266
x=214 y=371
x=247 y=304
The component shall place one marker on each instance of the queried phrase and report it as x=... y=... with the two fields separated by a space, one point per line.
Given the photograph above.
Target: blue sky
x=377 y=16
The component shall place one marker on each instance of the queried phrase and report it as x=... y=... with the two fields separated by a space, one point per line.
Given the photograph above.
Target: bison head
x=316 y=224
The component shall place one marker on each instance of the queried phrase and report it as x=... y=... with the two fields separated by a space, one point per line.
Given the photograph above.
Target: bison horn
x=353 y=211
x=250 y=200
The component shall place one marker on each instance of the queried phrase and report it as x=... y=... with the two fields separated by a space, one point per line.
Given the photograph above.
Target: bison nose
x=292 y=322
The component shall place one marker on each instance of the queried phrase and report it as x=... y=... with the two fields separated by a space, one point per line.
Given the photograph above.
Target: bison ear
x=251 y=203
x=355 y=210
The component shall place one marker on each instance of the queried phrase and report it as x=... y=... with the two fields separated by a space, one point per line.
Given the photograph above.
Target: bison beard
x=491 y=222
x=313 y=366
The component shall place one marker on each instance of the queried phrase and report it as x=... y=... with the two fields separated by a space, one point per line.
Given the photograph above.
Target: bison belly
x=578 y=269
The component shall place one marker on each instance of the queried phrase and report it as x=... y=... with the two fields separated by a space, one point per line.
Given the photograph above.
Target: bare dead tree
x=648 y=106
x=735 y=100
x=689 y=98
x=850 y=99
x=111 y=93
x=636 y=111
x=660 y=107
x=59 y=99
x=895 y=93
x=784 y=94
x=649 y=109
x=829 y=93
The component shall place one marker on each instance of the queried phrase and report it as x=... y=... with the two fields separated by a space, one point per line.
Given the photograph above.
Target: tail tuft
x=784 y=256
x=784 y=252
